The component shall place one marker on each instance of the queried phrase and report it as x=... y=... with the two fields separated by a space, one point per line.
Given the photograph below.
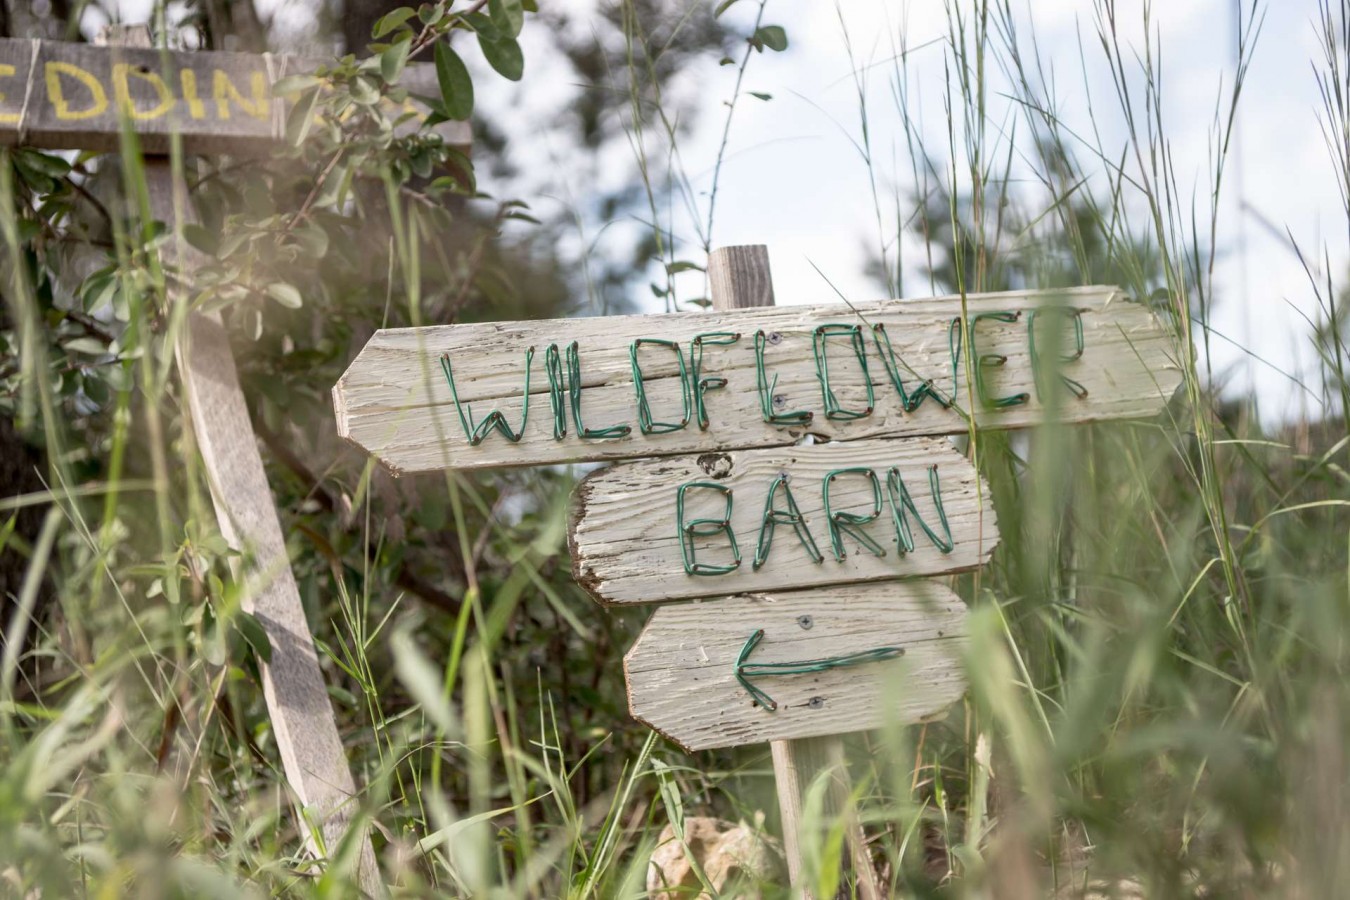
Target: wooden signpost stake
x=769 y=482
x=60 y=95
x=740 y=278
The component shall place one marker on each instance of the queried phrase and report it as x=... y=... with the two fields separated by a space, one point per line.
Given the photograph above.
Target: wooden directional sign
x=829 y=661
x=55 y=94
x=531 y=393
x=778 y=519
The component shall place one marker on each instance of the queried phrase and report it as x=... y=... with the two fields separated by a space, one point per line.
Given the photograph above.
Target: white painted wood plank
x=625 y=539
x=682 y=680
x=395 y=402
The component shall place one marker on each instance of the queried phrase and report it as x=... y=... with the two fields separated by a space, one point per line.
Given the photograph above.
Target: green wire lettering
x=842 y=523
x=703 y=528
x=902 y=507
x=701 y=385
x=767 y=388
x=1076 y=387
x=775 y=517
x=574 y=390
x=834 y=411
x=645 y=423
x=553 y=364
x=993 y=361
x=910 y=402
x=495 y=420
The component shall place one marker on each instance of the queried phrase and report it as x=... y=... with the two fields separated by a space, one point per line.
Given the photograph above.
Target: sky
x=794 y=179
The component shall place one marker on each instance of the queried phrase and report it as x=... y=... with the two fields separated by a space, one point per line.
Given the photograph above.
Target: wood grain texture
x=302 y=718
x=63 y=95
x=681 y=671
x=394 y=400
x=625 y=539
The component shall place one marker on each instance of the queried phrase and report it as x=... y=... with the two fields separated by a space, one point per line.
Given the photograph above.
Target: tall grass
x=1158 y=651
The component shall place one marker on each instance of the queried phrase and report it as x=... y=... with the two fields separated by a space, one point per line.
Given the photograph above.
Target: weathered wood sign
x=778 y=519
x=59 y=95
x=770 y=484
x=759 y=668
x=621 y=387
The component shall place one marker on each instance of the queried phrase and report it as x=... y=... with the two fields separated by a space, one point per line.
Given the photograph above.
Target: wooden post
x=740 y=278
x=297 y=700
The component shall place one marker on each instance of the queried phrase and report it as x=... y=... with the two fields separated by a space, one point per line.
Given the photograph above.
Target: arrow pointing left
x=746 y=671
x=688 y=671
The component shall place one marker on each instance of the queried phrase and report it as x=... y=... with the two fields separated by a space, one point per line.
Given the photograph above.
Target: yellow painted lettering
x=196 y=108
x=98 y=98
x=224 y=92
x=122 y=73
x=7 y=72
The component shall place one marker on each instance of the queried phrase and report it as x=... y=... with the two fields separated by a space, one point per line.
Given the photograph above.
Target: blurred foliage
x=1157 y=655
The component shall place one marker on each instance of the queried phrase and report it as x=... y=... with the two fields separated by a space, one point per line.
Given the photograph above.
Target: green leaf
x=723 y=7
x=504 y=55
x=682 y=266
x=393 y=59
x=204 y=239
x=313 y=238
x=773 y=37
x=294 y=84
x=90 y=345
x=482 y=26
x=726 y=61
x=51 y=166
x=33 y=177
x=364 y=91
x=285 y=294
x=254 y=634
x=456 y=85
x=760 y=95
x=390 y=21
x=301 y=117
x=507 y=16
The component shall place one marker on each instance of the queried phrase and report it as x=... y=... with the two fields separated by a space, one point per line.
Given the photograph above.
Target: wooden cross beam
x=69 y=96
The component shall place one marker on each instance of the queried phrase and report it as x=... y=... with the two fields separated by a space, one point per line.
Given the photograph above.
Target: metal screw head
x=816 y=702
x=775 y=337
x=779 y=400
x=806 y=622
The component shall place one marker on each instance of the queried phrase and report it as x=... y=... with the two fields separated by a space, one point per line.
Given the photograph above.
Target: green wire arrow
x=746 y=670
